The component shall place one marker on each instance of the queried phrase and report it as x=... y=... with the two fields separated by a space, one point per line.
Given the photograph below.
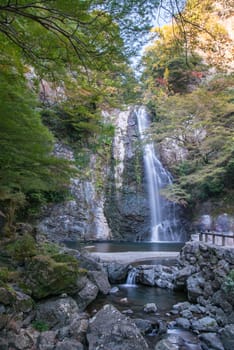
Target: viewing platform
x=218 y=238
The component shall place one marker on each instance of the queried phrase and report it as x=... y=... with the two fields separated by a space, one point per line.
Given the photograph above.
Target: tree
x=200 y=123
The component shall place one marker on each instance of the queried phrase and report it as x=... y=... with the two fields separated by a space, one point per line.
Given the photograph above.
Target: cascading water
x=164 y=224
x=131 y=279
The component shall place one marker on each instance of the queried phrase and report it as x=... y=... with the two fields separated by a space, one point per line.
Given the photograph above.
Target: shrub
x=229 y=282
x=40 y=326
x=23 y=248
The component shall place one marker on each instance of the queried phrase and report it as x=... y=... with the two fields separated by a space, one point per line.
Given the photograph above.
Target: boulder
x=21 y=341
x=227 y=337
x=110 y=330
x=87 y=262
x=182 y=322
x=145 y=326
x=46 y=276
x=182 y=275
x=100 y=279
x=114 y=290
x=147 y=276
x=195 y=286
x=20 y=301
x=57 y=313
x=211 y=341
x=166 y=344
x=46 y=341
x=150 y=307
x=69 y=344
x=86 y=295
x=205 y=324
x=117 y=273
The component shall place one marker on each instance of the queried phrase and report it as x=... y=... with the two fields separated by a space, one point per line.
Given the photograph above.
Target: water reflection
x=112 y=246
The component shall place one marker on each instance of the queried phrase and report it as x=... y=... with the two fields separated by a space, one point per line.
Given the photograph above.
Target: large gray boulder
x=227 y=337
x=57 y=313
x=86 y=295
x=117 y=273
x=111 y=330
x=211 y=341
x=205 y=324
x=195 y=286
x=100 y=279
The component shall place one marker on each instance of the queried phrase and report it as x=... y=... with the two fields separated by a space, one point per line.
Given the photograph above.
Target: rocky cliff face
x=126 y=205
x=82 y=217
x=119 y=209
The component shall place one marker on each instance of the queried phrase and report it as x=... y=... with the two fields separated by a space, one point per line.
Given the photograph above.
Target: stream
x=130 y=299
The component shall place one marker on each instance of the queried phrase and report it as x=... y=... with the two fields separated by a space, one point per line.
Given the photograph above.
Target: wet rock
x=124 y=300
x=227 y=337
x=114 y=290
x=181 y=306
x=182 y=322
x=128 y=312
x=150 y=307
x=205 y=324
x=166 y=344
x=211 y=341
x=57 y=313
x=186 y=314
x=182 y=275
x=110 y=330
x=145 y=326
x=117 y=273
x=147 y=276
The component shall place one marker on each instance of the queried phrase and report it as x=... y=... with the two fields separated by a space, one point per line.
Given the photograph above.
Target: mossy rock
x=20 y=301
x=46 y=277
x=23 y=248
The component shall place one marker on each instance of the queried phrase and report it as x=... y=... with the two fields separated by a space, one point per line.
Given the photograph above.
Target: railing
x=223 y=239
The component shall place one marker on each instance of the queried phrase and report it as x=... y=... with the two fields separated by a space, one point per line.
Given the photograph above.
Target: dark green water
x=114 y=246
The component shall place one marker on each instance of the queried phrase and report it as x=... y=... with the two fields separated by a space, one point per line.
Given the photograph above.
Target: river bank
x=47 y=308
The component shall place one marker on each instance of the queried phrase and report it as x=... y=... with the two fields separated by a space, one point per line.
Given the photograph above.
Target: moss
x=40 y=326
x=48 y=248
x=45 y=276
x=23 y=248
x=65 y=258
x=7 y=275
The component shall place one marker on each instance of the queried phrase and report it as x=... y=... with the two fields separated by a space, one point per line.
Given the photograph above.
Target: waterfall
x=163 y=213
x=131 y=279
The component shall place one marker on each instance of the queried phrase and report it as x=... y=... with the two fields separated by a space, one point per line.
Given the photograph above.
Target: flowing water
x=164 y=220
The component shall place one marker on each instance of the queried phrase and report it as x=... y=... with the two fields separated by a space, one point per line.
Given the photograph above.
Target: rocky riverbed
x=47 y=309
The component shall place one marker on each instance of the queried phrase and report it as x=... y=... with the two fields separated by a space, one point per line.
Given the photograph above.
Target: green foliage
x=27 y=168
x=199 y=123
x=22 y=249
x=40 y=326
x=46 y=277
x=229 y=283
x=48 y=248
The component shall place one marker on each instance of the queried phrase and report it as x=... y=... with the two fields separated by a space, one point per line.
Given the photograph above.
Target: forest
x=81 y=51
x=94 y=252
